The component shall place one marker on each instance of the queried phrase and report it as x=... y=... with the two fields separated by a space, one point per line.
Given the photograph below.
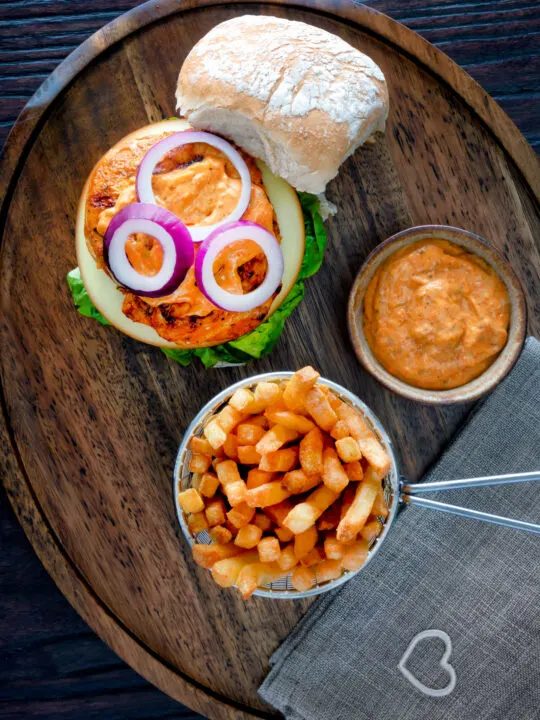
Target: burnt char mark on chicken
x=166 y=165
x=102 y=200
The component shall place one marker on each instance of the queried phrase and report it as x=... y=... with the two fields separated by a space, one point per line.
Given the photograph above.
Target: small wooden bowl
x=516 y=333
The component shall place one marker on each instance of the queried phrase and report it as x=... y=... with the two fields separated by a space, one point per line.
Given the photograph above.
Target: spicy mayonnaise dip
x=435 y=315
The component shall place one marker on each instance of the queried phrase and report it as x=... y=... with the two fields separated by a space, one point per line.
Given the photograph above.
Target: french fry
x=200 y=446
x=306 y=514
x=314 y=557
x=278 y=406
x=356 y=516
x=333 y=549
x=259 y=420
x=220 y=534
x=348 y=450
x=215 y=512
x=335 y=402
x=290 y=420
x=299 y=438
x=197 y=523
x=266 y=393
x=287 y=560
x=275 y=438
x=317 y=405
x=248 y=536
x=191 y=501
x=230 y=446
x=371 y=529
x=340 y=430
x=241 y=399
x=303 y=578
x=296 y=481
x=248 y=455
x=209 y=485
x=305 y=542
x=334 y=476
x=310 y=454
x=268 y=494
x=298 y=386
x=262 y=521
x=225 y=572
x=228 y=418
x=257 y=477
x=330 y=518
x=280 y=460
x=235 y=492
x=227 y=472
x=257 y=575
x=278 y=513
x=218 y=453
x=240 y=515
x=347 y=500
x=328 y=570
x=369 y=445
x=354 y=470
x=207 y=555
x=380 y=508
x=355 y=555
x=269 y=549
x=283 y=534
x=215 y=434
x=249 y=434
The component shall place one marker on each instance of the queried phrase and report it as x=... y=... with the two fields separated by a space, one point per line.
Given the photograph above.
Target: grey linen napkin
x=478 y=583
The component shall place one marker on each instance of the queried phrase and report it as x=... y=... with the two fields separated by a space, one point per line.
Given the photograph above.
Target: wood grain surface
x=94 y=420
x=496 y=42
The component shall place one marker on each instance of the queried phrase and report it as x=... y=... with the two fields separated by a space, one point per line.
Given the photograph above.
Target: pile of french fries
x=286 y=479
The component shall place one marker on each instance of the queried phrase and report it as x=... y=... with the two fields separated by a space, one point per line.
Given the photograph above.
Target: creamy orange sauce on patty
x=199 y=185
x=435 y=315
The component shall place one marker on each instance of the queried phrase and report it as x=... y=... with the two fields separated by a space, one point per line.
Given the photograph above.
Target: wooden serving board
x=92 y=420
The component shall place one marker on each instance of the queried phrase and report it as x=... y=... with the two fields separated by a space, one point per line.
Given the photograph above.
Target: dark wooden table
x=52 y=665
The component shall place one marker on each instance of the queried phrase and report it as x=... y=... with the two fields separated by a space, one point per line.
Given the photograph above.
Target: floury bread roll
x=298 y=97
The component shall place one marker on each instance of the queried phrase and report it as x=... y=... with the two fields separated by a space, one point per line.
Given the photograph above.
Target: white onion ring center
x=120 y=266
x=148 y=164
x=269 y=246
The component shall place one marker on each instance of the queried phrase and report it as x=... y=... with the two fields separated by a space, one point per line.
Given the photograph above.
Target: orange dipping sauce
x=436 y=315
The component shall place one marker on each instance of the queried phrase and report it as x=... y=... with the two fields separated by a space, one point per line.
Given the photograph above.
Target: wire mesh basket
x=282 y=589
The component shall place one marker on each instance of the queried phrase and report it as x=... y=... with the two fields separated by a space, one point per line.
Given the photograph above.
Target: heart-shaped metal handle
x=443 y=662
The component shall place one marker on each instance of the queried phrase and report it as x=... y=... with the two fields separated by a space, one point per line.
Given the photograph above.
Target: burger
x=196 y=234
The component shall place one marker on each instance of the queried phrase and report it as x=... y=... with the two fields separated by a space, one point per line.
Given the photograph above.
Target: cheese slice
x=107 y=297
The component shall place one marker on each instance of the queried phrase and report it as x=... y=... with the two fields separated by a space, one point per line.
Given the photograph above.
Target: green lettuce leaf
x=254 y=345
x=258 y=342
x=81 y=298
x=315 y=235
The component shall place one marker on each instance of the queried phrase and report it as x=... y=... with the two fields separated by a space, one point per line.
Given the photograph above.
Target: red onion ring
x=171 y=234
x=218 y=241
x=143 y=183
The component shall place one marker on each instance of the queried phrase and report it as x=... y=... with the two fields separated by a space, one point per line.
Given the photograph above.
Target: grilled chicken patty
x=200 y=186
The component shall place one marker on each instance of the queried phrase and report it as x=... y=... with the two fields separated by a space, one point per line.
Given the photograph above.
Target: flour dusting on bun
x=295 y=96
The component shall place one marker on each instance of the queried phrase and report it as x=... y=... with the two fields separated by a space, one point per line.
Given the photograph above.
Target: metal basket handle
x=409 y=494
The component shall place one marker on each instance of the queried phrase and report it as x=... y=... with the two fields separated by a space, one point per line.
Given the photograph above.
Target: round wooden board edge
x=19 y=142
x=82 y=598
x=28 y=123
